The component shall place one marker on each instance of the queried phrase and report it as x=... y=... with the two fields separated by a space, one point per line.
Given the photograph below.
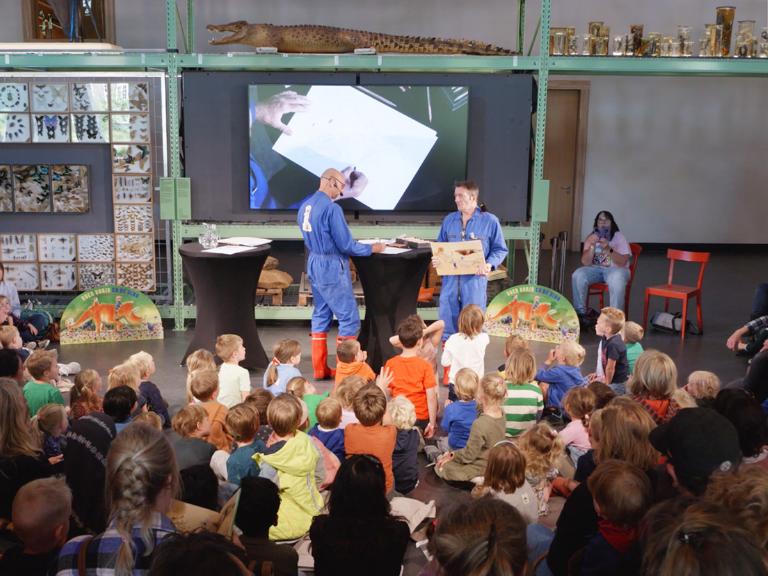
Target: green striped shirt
x=524 y=402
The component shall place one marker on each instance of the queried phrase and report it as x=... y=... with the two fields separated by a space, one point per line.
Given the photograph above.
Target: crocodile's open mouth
x=236 y=28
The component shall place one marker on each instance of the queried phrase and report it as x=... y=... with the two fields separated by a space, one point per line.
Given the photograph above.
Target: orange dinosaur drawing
x=101 y=314
x=526 y=312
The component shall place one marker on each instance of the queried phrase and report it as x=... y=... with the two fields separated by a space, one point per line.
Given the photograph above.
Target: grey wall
x=694 y=164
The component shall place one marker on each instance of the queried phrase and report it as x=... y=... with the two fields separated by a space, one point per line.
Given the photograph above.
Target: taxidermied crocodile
x=331 y=40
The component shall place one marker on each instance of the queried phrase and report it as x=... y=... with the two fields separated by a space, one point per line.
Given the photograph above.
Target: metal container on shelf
x=725 y=15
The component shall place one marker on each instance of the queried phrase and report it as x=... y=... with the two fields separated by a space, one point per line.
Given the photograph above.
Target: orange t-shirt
x=344 y=369
x=412 y=377
x=216 y=414
x=376 y=440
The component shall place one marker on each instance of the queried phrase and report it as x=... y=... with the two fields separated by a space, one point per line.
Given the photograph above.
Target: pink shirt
x=575 y=433
x=619 y=245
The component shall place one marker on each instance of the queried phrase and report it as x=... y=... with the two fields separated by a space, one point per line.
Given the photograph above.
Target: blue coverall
x=459 y=291
x=330 y=245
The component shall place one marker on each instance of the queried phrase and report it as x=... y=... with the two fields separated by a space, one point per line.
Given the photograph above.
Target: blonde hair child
x=561 y=372
x=703 y=385
x=542 y=447
x=466 y=348
x=306 y=391
x=200 y=359
x=286 y=356
x=84 y=397
x=458 y=416
x=405 y=463
x=51 y=423
x=504 y=479
x=524 y=400
x=234 y=380
x=654 y=383
x=633 y=333
x=345 y=393
x=148 y=389
x=469 y=463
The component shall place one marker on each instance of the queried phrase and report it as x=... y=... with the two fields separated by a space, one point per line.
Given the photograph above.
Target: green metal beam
x=620 y=65
x=104 y=61
x=291 y=231
x=358 y=63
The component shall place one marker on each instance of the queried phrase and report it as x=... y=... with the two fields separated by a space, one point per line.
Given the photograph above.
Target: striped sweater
x=522 y=407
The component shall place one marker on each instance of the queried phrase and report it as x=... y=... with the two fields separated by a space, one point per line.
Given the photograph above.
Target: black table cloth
x=225 y=295
x=391 y=285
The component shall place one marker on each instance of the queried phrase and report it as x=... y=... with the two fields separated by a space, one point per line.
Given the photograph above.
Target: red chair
x=600 y=288
x=679 y=291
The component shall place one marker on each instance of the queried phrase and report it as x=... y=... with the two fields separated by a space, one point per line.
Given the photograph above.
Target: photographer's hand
x=271 y=112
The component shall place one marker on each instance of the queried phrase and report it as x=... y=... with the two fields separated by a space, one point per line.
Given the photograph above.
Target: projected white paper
x=346 y=127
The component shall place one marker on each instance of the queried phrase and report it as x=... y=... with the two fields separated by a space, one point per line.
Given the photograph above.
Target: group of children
x=520 y=434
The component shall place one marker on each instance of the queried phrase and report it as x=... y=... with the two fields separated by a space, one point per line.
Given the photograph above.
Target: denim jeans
x=760 y=301
x=616 y=278
x=539 y=539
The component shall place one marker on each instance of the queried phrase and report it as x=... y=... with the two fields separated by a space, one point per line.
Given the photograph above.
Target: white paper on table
x=345 y=127
x=228 y=250
x=374 y=241
x=394 y=250
x=251 y=241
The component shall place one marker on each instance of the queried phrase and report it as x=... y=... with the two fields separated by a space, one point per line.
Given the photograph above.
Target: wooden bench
x=275 y=294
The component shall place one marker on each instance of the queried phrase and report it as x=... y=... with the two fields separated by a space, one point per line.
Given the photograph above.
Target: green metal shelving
x=173 y=63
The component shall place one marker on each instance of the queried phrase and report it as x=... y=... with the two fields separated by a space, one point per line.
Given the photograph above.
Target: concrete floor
x=728 y=288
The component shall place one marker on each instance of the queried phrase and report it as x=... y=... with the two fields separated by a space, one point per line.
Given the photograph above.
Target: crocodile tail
x=423 y=45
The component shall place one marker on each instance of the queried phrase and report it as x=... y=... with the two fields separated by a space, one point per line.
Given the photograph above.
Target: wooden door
x=561 y=163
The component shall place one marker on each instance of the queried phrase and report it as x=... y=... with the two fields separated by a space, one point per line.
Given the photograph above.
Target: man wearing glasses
x=330 y=244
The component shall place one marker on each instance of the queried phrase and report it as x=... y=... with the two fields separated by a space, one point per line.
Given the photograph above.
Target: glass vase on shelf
x=724 y=18
x=762 y=45
x=745 y=39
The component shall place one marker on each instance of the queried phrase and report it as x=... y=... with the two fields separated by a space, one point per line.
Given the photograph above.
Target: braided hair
x=140 y=465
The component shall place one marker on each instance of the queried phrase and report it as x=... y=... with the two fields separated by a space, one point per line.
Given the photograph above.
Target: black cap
x=698 y=442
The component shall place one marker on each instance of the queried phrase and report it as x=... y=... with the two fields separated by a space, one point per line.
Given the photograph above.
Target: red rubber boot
x=320 y=356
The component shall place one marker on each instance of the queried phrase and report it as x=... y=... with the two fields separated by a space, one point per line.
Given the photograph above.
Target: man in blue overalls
x=469 y=223
x=330 y=245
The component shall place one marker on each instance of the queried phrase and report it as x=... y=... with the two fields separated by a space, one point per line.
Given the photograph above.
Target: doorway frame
x=583 y=87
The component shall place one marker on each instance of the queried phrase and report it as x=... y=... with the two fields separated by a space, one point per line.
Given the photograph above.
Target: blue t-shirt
x=284 y=373
x=241 y=464
x=457 y=421
x=560 y=378
x=331 y=439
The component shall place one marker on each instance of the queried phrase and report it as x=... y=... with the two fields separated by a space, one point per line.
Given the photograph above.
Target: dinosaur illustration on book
x=331 y=40
x=108 y=314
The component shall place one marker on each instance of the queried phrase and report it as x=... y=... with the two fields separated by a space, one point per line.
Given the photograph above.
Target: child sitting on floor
x=466 y=348
x=286 y=356
x=51 y=423
x=119 y=404
x=579 y=403
x=191 y=445
x=487 y=430
x=41 y=511
x=613 y=367
x=405 y=463
x=622 y=495
x=370 y=436
x=654 y=384
x=328 y=429
x=351 y=361
x=633 y=333
x=413 y=376
x=261 y=398
x=242 y=423
x=234 y=380
x=703 y=386
x=200 y=359
x=504 y=479
x=304 y=390
x=290 y=461
x=542 y=447
x=432 y=337
x=10 y=338
x=555 y=381
x=524 y=402
x=205 y=387
x=345 y=393
x=512 y=343
x=257 y=512
x=148 y=389
x=84 y=397
x=458 y=416
x=39 y=391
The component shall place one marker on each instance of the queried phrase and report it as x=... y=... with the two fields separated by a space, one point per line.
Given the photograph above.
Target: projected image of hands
x=378 y=137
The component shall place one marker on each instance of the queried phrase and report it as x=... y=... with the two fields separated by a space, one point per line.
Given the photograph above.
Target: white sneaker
x=43 y=344
x=69 y=369
x=30 y=345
